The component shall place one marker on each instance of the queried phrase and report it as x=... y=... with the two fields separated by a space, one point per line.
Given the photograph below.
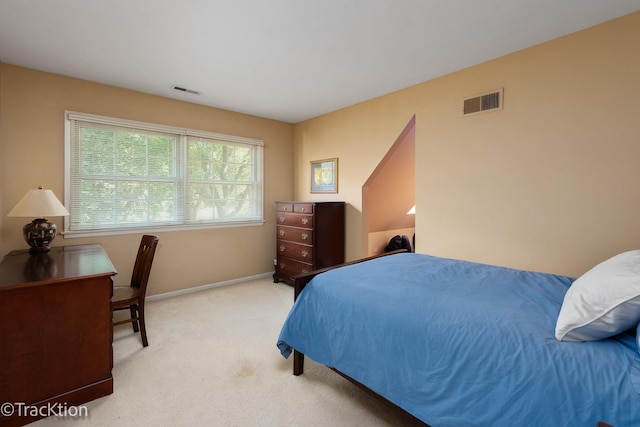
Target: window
x=124 y=176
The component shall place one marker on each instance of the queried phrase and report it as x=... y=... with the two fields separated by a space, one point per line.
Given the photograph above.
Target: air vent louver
x=182 y=89
x=484 y=102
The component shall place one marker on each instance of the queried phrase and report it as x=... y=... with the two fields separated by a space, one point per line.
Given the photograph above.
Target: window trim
x=70 y=116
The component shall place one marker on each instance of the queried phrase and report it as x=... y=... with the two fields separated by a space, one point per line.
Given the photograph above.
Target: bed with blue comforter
x=457 y=343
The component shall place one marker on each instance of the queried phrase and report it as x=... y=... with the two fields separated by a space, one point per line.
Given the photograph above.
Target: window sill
x=158 y=229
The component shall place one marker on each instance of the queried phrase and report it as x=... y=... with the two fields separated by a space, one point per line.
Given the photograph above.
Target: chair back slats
x=144 y=259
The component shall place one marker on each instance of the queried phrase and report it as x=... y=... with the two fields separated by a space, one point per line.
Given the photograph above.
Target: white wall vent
x=183 y=89
x=489 y=101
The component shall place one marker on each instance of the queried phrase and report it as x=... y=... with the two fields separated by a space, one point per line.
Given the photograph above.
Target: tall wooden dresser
x=310 y=235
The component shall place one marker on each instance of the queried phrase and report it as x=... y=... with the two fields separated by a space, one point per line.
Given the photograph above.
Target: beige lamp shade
x=38 y=203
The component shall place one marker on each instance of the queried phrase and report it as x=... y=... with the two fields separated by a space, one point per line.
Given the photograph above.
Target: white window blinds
x=124 y=175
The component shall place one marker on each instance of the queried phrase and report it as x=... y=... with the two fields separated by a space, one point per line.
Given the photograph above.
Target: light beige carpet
x=212 y=360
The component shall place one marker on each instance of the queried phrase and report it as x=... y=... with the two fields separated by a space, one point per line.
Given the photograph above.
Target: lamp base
x=39 y=233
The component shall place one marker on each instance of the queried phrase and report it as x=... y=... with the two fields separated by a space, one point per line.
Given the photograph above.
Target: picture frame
x=324 y=176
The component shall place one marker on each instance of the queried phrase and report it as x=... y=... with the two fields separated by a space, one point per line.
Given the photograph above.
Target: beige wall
x=391 y=188
x=389 y=193
x=360 y=137
x=32 y=106
x=548 y=183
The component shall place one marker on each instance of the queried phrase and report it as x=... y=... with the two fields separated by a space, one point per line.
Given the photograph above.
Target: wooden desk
x=55 y=328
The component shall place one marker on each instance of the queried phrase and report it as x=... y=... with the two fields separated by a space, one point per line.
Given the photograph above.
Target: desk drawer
x=294 y=234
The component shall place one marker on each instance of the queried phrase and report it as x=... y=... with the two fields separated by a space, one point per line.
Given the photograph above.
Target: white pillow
x=602 y=302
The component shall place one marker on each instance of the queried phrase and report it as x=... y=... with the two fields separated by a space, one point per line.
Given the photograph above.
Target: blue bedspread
x=457 y=343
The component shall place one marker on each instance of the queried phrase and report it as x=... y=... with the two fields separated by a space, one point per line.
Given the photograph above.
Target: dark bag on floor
x=398 y=242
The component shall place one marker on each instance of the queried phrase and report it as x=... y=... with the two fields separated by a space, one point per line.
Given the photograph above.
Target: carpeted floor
x=212 y=360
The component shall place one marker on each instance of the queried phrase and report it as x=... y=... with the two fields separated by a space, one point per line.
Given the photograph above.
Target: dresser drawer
x=288 y=267
x=297 y=220
x=293 y=234
x=284 y=207
x=295 y=251
x=303 y=208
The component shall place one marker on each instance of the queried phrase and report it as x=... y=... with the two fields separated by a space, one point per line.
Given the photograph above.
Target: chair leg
x=134 y=313
x=143 y=329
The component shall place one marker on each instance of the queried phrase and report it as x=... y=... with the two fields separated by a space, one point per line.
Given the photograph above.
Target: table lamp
x=39 y=203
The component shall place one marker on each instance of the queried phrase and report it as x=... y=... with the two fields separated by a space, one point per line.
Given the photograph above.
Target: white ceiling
x=288 y=60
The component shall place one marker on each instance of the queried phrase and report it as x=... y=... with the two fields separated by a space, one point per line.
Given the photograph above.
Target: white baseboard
x=209 y=286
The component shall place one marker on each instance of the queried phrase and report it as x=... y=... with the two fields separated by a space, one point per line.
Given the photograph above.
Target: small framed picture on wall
x=324 y=176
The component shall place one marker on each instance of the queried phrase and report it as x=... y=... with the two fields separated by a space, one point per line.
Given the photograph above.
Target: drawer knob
x=302 y=209
x=281 y=248
x=304 y=270
x=304 y=254
x=281 y=219
x=305 y=236
x=281 y=232
x=305 y=221
x=282 y=265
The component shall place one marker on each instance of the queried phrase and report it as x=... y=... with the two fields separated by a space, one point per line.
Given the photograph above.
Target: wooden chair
x=132 y=297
